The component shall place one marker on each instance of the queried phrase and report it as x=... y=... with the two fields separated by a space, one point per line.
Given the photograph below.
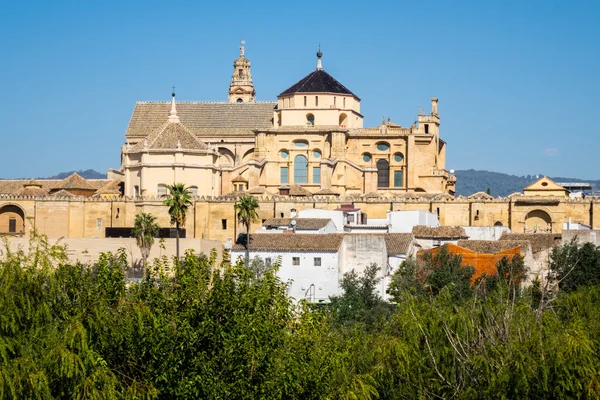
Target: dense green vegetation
x=200 y=330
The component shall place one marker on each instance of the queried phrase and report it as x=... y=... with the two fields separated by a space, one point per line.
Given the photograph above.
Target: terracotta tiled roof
x=62 y=193
x=33 y=183
x=302 y=224
x=170 y=136
x=398 y=243
x=296 y=190
x=239 y=178
x=31 y=191
x=259 y=190
x=440 y=232
x=203 y=119
x=75 y=181
x=492 y=246
x=539 y=241
x=317 y=81
x=112 y=187
x=292 y=242
x=326 y=192
x=11 y=186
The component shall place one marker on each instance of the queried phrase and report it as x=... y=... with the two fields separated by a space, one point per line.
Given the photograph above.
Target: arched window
x=383 y=173
x=398 y=157
x=240 y=100
x=300 y=143
x=366 y=157
x=343 y=120
x=310 y=120
x=193 y=190
x=300 y=169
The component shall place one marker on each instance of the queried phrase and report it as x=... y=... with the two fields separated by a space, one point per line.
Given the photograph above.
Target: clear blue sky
x=518 y=81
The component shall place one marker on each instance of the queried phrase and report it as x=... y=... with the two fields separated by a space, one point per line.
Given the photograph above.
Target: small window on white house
x=317 y=261
x=268 y=262
x=295 y=260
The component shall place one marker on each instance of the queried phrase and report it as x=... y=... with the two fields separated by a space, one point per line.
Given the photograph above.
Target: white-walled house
x=314 y=264
x=404 y=221
x=298 y=225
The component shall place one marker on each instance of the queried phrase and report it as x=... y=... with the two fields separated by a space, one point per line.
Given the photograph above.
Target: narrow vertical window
x=304 y=101
x=98 y=223
x=397 y=178
x=426 y=128
x=12 y=225
x=284 y=175
x=316 y=175
x=300 y=169
x=317 y=101
x=223 y=224
x=383 y=173
x=334 y=100
x=344 y=102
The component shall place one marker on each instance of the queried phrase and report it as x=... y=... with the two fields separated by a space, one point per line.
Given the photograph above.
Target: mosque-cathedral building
x=308 y=149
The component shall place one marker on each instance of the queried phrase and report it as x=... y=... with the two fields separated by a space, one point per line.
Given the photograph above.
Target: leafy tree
x=246 y=213
x=179 y=199
x=359 y=301
x=431 y=273
x=145 y=229
x=574 y=265
x=510 y=274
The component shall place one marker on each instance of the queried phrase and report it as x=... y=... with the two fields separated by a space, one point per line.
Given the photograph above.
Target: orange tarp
x=483 y=263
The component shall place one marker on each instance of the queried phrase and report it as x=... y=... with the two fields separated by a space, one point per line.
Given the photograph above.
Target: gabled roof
x=480 y=196
x=62 y=193
x=170 y=136
x=492 y=246
x=239 y=178
x=291 y=242
x=545 y=184
x=202 y=119
x=398 y=243
x=296 y=190
x=112 y=187
x=539 y=241
x=326 y=192
x=75 y=181
x=302 y=224
x=317 y=81
x=31 y=191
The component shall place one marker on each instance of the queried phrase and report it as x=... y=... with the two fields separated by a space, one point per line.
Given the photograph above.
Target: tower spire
x=241 y=88
x=173 y=117
x=319 y=55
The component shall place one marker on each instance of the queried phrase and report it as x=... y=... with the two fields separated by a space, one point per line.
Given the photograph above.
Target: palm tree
x=246 y=214
x=179 y=199
x=145 y=229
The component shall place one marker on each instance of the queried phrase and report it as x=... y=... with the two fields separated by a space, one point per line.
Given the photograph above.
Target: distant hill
x=472 y=181
x=87 y=174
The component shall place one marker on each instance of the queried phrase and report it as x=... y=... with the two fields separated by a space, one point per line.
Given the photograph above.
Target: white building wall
x=301 y=277
x=360 y=251
x=485 y=232
x=404 y=221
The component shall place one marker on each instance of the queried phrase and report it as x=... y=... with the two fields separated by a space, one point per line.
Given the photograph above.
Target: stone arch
x=498 y=223
x=343 y=120
x=12 y=219
x=538 y=221
x=248 y=155
x=227 y=156
x=310 y=119
x=300 y=169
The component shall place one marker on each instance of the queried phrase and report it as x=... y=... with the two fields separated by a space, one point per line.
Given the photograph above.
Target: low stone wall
x=87 y=250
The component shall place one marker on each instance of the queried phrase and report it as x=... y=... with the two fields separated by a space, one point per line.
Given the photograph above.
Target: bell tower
x=241 y=88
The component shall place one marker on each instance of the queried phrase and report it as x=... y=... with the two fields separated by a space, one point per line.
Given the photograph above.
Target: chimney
x=434 y=106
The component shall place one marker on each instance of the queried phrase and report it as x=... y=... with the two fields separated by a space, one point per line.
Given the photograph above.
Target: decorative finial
x=173 y=92
x=242 y=43
x=319 y=55
x=173 y=117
